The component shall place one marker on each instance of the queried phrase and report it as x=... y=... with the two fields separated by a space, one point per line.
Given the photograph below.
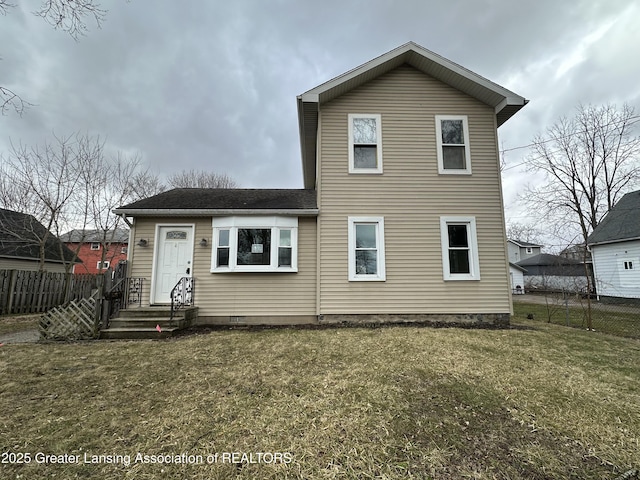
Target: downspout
x=593 y=265
x=129 y=242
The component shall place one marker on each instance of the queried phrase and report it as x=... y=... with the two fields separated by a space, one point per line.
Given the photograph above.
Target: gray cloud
x=212 y=85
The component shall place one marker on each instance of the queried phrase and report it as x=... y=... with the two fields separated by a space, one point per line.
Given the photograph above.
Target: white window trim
x=371 y=171
x=96 y=245
x=99 y=264
x=274 y=223
x=381 y=276
x=529 y=250
x=474 y=263
x=467 y=149
x=628 y=271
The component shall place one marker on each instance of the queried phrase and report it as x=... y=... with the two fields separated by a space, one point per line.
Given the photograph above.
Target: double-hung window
x=255 y=244
x=95 y=246
x=452 y=138
x=365 y=143
x=459 y=248
x=366 y=249
x=102 y=265
x=628 y=271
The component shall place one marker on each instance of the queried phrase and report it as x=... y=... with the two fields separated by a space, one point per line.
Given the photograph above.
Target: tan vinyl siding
x=411 y=196
x=141 y=258
x=239 y=293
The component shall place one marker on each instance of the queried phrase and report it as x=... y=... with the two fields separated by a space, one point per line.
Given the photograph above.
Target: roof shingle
x=621 y=223
x=21 y=235
x=205 y=199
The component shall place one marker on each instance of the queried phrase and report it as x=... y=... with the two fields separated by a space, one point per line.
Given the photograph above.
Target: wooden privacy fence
x=36 y=292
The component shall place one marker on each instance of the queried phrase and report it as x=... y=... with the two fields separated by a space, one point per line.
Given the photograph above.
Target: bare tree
x=71 y=17
x=200 y=179
x=67 y=183
x=107 y=184
x=526 y=232
x=145 y=184
x=42 y=182
x=589 y=162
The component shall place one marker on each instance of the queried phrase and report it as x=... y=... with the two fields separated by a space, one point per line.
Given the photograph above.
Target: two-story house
x=519 y=250
x=98 y=250
x=401 y=217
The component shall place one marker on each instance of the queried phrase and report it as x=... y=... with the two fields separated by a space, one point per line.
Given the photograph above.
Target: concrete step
x=151 y=322
x=142 y=312
x=137 y=333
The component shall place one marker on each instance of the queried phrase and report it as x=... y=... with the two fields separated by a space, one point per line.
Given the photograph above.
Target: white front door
x=174 y=255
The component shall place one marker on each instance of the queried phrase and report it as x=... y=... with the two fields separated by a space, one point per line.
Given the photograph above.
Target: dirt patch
x=25 y=336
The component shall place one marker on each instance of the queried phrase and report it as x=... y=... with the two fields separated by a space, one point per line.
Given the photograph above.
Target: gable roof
x=225 y=201
x=622 y=223
x=505 y=102
x=20 y=237
x=120 y=235
x=522 y=244
x=517 y=267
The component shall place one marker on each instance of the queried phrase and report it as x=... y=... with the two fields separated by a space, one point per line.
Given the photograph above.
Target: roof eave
x=617 y=240
x=46 y=260
x=211 y=212
x=308 y=125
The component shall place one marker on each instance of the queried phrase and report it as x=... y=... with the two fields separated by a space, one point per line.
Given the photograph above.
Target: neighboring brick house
x=97 y=250
x=401 y=216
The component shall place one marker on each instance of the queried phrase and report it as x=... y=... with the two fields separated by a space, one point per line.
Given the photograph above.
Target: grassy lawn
x=543 y=402
x=615 y=320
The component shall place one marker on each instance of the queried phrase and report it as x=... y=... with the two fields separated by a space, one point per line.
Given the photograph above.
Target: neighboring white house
x=519 y=250
x=516 y=274
x=615 y=248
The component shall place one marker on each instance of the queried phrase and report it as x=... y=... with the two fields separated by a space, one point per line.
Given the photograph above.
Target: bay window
x=255 y=244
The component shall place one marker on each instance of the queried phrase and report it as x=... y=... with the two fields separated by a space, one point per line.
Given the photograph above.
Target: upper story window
x=459 y=248
x=452 y=138
x=95 y=246
x=102 y=265
x=529 y=250
x=366 y=249
x=255 y=244
x=365 y=143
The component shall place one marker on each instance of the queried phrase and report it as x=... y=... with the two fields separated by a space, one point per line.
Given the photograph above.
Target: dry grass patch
x=18 y=323
x=397 y=402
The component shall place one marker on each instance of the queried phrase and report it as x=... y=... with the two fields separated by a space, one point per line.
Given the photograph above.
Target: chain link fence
x=621 y=317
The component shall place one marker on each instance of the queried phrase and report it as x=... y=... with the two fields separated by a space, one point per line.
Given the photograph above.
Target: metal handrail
x=182 y=294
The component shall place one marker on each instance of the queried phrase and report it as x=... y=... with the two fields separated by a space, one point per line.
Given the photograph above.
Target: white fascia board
x=208 y=212
x=309 y=97
x=607 y=242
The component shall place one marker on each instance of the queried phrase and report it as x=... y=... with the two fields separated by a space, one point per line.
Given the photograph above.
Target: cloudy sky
x=212 y=85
